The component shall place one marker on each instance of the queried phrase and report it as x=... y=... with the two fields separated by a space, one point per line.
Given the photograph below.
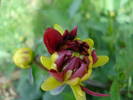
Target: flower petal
x=74 y=81
x=90 y=42
x=52 y=39
x=94 y=56
x=57 y=75
x=70 y=35
x=93 y=93
x=86 y=76
x=46 y=62
x=54 y=57
x=80 y=72
x=68 y=74
x=74 y=31
x=50 y=83
x=59 y=28
x=72 y=64
x=101 y=61
x=62 y=59
x=78 y=93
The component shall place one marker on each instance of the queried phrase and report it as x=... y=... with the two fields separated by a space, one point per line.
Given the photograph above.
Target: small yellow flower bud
x=23 y=57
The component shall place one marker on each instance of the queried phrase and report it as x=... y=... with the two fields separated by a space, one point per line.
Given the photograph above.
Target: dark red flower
x=73 y=58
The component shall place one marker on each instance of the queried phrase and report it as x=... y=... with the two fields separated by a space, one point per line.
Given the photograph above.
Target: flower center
x=76 y=46
x=73 y=61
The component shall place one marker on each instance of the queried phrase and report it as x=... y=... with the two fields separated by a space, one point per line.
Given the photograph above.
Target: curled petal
x=52 y=39
x=93 y=93
x=101 y=61
x=72 y=45
x=86 y=76
x=70 y=35
x=48 y=84
x=80 y=72
x=94 y=56
x=87 y=60
x=78 y=93
x=72 y=64
x=74 y=31
x=63 y=57
x=66 y=35
x=57 y=75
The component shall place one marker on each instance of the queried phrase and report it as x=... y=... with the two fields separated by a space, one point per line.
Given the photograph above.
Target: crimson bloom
x=71 y=61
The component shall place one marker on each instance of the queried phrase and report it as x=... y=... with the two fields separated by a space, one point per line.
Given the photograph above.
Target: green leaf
x=115 y=91
x=26 y=90
x=48 y=96
x=74 y=7
x=39 y=75
x=65 y=95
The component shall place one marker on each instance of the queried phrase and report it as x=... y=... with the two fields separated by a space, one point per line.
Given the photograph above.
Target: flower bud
x=23 y=57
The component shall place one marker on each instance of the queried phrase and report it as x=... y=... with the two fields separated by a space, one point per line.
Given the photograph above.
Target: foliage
x=108 y=22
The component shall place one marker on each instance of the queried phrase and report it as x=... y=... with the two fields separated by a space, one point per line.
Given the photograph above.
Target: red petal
x=92 y=93
x=64 y=56
x=52 y=39
x=74 y=31
x=57 y=75
x=70 y=35
x=86 y=60
x=72 y=45
x=66 y=35
x=72 y=64
x=94 y=56
x=80 y=72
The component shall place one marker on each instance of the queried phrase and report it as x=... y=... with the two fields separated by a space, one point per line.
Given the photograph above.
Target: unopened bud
x=23 y=57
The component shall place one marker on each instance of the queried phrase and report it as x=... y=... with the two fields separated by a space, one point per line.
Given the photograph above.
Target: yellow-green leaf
x=50 y=84
x=46 y=61
x=90 y=42
x=101 y=61
x=78 y=93
x=59 y=28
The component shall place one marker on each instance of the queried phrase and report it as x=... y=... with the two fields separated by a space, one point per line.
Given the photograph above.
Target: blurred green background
x=108 y=22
